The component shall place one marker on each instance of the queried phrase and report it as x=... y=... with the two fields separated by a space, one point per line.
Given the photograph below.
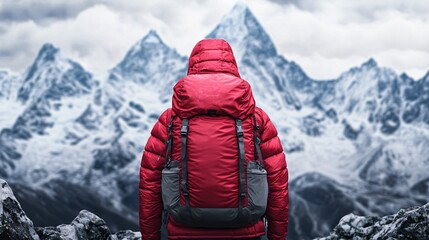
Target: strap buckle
x=239 y=130
x=184 y=131
x=242 y=195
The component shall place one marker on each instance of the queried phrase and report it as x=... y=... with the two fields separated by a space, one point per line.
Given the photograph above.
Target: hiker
x=213 y=167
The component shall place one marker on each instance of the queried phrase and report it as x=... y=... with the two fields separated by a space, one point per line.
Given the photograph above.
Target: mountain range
x=357 y=144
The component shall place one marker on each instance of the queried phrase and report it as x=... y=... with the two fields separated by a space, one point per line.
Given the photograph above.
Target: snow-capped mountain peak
x=244 y=32
x=150 y=40
x=150 y=60
x=152 y=37
x=425 y=78
x=53 y=74
x=370 y=63
x=47 y=53
x=258 y=60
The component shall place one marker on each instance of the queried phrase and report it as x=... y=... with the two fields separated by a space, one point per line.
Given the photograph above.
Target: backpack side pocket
x=257 y=189
x=170 y=185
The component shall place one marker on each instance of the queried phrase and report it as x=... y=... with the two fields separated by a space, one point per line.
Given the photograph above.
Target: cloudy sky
x=324 y=37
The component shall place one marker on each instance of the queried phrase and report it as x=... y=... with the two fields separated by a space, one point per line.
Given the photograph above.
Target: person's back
x=220 y=154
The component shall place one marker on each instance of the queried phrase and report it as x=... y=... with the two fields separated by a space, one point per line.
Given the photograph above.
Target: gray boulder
x=126 y=235
x=412 y=223
x=85 y=226
x=14 y=224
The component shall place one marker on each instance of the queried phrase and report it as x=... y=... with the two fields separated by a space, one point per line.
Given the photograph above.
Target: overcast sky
x=324 y=37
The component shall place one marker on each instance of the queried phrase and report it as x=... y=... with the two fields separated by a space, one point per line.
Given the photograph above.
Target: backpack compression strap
x=169 y=143
x=257 y=141
x=240 y=139
x=184 y=135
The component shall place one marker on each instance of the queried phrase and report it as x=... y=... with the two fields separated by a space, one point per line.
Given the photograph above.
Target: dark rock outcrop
x=15 y=225
x=412 y=223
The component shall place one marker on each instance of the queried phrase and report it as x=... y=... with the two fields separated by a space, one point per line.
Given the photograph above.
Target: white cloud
x=97 y=38
x=324 y=37
x=335 y=35
x=42 y=12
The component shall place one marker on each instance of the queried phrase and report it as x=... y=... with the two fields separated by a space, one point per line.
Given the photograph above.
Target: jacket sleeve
x=275 y=164
x=150 y=198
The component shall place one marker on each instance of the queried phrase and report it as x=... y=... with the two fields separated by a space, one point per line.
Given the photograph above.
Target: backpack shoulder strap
x=169 y=143
x=241 y=156
x=184 y=157
x=257 y=141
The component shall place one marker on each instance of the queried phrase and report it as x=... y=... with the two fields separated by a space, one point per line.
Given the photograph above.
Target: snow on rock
x=14 y=224
x=85 y=226
x=412 y=223
x=9 y=84
x=126 y=235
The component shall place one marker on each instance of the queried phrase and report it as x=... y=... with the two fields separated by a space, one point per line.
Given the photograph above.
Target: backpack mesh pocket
x=257 y=189
x=170 y=185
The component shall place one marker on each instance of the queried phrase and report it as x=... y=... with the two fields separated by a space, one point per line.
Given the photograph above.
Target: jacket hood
x=212 y=56
x=213 y=84
x=222 y=94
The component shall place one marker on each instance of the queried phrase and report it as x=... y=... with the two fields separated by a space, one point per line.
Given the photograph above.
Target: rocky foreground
x=15 y=225
x=412 y=223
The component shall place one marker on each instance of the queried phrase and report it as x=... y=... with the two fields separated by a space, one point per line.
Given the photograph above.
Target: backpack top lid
x=213 y=84
x=217 y=94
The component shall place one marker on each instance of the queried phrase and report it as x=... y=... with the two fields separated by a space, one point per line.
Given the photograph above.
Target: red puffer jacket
x=212 y=68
